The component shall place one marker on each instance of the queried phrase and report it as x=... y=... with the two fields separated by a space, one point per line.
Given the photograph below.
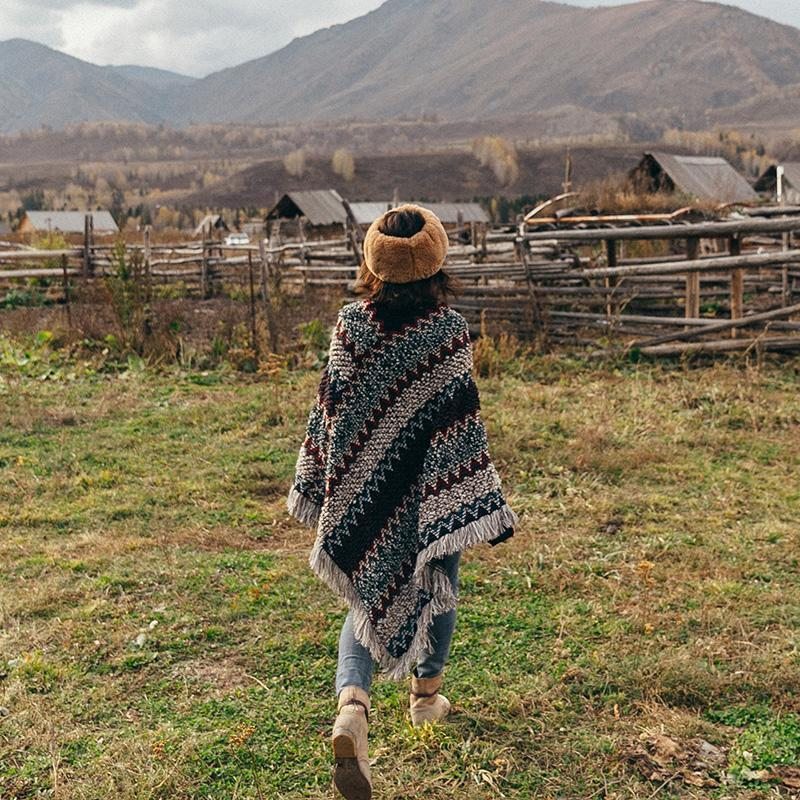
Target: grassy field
x=162 y=637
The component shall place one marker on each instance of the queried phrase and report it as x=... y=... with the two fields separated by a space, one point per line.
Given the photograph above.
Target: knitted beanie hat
x=395 y=259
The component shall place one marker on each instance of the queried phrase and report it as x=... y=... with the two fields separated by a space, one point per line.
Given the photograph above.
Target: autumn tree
x=344 y=164
x=500 y=156
x=295 y=163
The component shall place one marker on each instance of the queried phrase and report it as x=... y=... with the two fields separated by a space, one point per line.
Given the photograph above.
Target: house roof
x=448 y=212
x=214 y=220
x=768 y=181
x=367 y=213
x=71 y=221
x=326 y=207
x=705 y=177
x=319 y=207
x=792 y=172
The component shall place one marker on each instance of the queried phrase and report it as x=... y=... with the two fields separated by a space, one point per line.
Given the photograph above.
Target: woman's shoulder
x=456 y=318
x=354 y=325
x=452 y=322
x=362 y=316
x=354 y=312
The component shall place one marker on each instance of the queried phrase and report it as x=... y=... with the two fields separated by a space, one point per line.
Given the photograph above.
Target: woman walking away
x=395 y=475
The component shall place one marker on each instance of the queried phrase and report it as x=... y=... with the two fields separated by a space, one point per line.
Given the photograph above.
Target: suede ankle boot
x=427 y=705
x=351 y=773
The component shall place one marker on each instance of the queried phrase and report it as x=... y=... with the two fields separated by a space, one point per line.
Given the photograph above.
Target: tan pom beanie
x=395 y=259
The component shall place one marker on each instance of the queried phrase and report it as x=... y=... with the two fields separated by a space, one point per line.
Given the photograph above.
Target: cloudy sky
x=202 y=36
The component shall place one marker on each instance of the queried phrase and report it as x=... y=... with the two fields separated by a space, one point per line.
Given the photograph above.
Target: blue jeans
x=355 y=663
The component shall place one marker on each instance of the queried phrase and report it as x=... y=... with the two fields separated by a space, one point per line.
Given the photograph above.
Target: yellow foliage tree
x=344 y=164
x=295 y=163
x=500 y=156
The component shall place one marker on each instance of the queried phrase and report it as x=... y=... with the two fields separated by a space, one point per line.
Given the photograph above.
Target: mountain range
x=687 y=62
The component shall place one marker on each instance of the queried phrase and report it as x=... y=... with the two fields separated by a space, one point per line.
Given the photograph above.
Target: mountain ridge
x=648 y=56
x=43 y=86
x=152 y=76
x=453 y=59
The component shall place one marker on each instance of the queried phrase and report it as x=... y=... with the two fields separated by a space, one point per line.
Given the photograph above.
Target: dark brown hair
x=402 y=224
x=417 y=294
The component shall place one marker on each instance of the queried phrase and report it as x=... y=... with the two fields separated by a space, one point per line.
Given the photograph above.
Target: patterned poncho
x=395 y=472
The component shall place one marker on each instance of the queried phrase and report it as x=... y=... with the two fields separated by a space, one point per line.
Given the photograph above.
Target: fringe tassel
x=429 y=579
x=396 y=668
x=303 y=509
x=483 y=530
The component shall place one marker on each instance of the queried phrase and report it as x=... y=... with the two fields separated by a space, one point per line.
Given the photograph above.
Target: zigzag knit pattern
x=395 y=473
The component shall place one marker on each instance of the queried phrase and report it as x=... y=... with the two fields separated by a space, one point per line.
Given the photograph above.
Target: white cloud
x=41 y=23
x=202 y=36
x=194 y=38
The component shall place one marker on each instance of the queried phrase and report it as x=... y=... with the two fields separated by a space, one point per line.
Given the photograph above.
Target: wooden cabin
x=704 y=178
x=326 y=208
x=211 y=222
x=67 y=222
x=790 y=183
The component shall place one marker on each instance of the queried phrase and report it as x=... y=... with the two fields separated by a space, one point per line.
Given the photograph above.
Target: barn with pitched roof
x=705 y=178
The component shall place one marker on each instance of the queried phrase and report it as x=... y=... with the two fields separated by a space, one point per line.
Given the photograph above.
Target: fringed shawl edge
x=427 y=578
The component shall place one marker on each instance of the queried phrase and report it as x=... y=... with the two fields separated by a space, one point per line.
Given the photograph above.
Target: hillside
x=768 y=111
x=467 y=58
x=448 y=176
x=150 y=76
x=658 y=63
x=41 y=86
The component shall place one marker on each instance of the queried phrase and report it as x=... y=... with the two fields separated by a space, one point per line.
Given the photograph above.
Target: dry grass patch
x=162 y=637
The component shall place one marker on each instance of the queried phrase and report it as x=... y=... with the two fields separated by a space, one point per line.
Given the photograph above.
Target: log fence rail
x=736 y=279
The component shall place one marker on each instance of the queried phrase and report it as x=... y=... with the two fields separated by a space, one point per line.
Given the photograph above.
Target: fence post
x=88 y=241
x=304 y=260
x=786 y=291
x=65 y=278
x=301 y=232
x=204 y=269
x=692 y=303
x=612 y=309
x=266 y=294
x=147 y=257
x=253 y=335
x=737 y=285
x=536 y=316
x=262 y=255
x=276 y=255
x=355 y=233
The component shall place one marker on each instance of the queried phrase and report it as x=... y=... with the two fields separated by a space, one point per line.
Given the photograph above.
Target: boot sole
x=347 y=776
x=419 y=720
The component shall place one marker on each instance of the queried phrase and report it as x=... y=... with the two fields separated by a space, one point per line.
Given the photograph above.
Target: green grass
x=162 y=637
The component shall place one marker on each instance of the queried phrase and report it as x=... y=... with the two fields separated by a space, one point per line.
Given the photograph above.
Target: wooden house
x=67 y=222
x=790 y=182
x=326 y=208
x=211 y=222
x=704 y=178
x=318 y=207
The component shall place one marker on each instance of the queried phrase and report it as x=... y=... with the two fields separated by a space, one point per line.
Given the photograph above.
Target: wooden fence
x=716 y=286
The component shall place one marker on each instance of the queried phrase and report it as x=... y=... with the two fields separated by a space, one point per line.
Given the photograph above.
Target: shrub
x=23 y=298
x=314 y=343
x=500 y=156
x=129 y=294
x=295 y=163
x=344 y=164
